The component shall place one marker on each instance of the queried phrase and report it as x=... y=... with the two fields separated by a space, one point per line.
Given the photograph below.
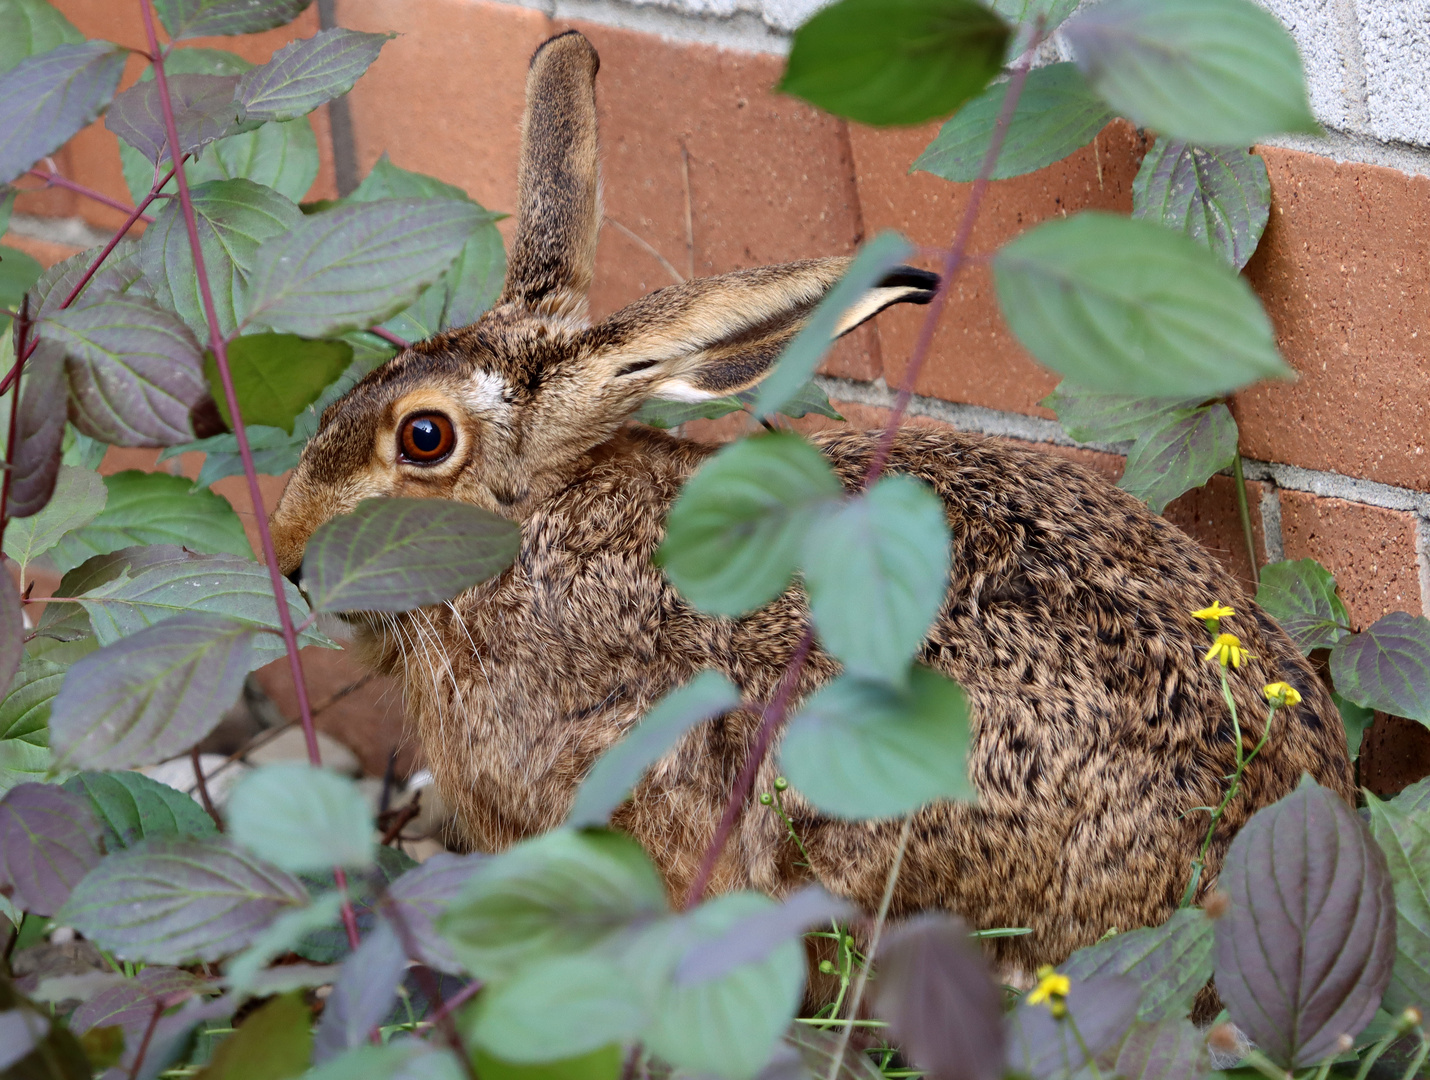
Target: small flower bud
x=827 y=966
x=1344 y=1042
x=766 y=798
x=1224 y=1038
x=848 y=942
x=1216 y=905
x=781 y=783
x=1410 y=1018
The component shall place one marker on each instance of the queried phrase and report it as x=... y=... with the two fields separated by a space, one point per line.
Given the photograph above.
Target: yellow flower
x=1052 y=990
x=1227 y=649
x=1281 y=694
x=1218 y=610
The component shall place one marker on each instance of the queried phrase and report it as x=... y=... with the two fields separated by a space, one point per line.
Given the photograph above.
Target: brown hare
x=1099 y=728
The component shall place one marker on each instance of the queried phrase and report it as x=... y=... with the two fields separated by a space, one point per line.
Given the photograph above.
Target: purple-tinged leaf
x=1092 y=416
x=233 y=217
x=755 y=936
x=204 y=112
x=40 y=433
x=12 y=631
x=46 y=99
x=422 y=894
x=935 y=991
x=350 y=267
x=48 y=842
x=1043 y=1047
x=152 y=695
x=282 y=935
x=32 y=27
x=130 y=1005
x=1172 y=962
x=1304 y=952
x=119 y=273
x=1219 y=197
x=1183 y=453
x=363 y=995
x=400 y=1059
x=174 y=1033
x=175 y=900
x=215 y=18
x=1301 y=596
x=1387 y=666
x=135 y=370
x=1402 y=829
x=1171 y=1049
x=616 y=772
x=21 y=1030
x=816 y=1051
x=400 y=554
x=305 y=74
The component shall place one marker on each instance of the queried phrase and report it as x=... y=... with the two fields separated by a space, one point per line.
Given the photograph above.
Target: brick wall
x=707 y=170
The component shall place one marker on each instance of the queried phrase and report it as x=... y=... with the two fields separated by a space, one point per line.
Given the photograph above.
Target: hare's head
x=501 y=412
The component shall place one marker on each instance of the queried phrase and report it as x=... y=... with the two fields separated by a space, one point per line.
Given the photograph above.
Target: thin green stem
x=1368 y=1062
x=1264 y=1065
x=1244 y=509
x=1413 y=1070
x=1091 y=1060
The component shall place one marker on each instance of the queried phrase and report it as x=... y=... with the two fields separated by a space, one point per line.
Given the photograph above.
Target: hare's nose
x=296 y=577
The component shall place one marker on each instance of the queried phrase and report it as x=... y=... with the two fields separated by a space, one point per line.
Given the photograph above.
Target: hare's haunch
x=1099 y=728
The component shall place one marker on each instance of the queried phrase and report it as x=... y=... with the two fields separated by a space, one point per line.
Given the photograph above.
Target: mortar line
x=340 y=120
x=1000 y=422
x=1273 y=539
x=1422 y=560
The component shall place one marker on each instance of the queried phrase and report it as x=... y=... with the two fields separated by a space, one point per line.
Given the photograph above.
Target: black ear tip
x=580 y=39
x=909 y=277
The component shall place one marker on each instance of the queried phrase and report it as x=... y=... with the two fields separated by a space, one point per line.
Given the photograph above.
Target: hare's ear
x=558 y=216
x=717 y=336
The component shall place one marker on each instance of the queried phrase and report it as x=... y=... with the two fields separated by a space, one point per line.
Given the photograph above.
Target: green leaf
x=272 y=1044
x=1184 y=453
x=895 y=61
x=1402 y=829
x=861 y=749
x=474 y=280
x=337 y=826
x=155 y=508
x=1124 y=306
x=398 y=554
x=357 y=264
x=18 y=274
x=601 y=1064
x=401 y=1059
x=734 y=535
x=795 y=366
x=284 y=934
x=132 y=588
x=234 y=217
x=809 y=398
x=1215 y=72
x=1089 y=416
x=1301 y=596
x=1387 y=666
x=274 y=453
x=876 y=569
x=728 y=1026
x=1172 y=962
x=1356 y=719
x=29 y=28
x=276 y=376
x=558 y=1007
x=131 y=807
x=283 y=157
x=1221 y=198
x=659 y=413
x=554 y=895
x=617 y=771
x=79 y=498
x=25 y=711
x=1057 y=114
x=305 y=74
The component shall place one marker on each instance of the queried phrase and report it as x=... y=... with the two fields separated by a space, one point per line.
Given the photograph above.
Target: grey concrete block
x=1395 y=39
x=1326 y=32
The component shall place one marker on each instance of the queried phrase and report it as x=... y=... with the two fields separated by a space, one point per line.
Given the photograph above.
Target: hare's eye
x=426 y=438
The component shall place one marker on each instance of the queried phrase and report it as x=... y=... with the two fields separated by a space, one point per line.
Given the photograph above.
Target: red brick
x=1345 y=275
x=44 y=252
x=974 y=357
x=1370 y=550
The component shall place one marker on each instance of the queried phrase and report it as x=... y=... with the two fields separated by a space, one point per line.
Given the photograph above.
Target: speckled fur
x=1099 y=729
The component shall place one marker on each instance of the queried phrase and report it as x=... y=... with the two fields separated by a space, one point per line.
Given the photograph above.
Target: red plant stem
x=148 y=1037
x=220 y=351
x=456 y=1001
x=389 y=337
x=54 y=179
x=954 y=261
x=23 y=333
x=431 y=986
x=134 y=216
x=770 y=721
